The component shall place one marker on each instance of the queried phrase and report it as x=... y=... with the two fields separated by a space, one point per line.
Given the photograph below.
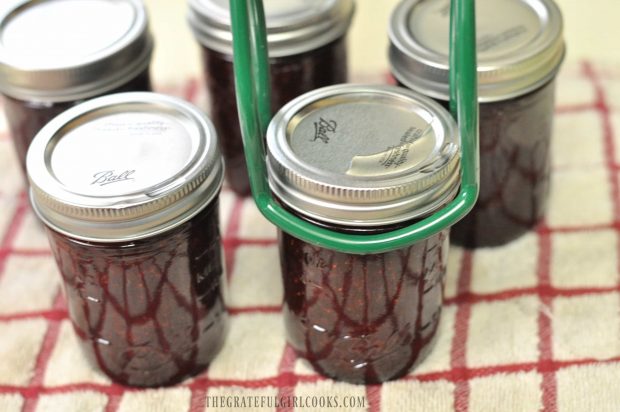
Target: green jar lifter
x=362 y=296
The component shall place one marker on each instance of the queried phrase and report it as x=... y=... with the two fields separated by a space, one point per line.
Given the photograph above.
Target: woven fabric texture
x=531 y=326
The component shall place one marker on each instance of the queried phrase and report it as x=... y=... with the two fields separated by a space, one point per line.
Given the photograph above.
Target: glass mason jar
x=307 y=50
x=127 y=186
x=55 y=54
x=363 y=159
x=520 y=50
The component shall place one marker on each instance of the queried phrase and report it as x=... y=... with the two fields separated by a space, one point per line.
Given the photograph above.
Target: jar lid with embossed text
x=293 y=26
x=66 y=50
x=519 y=44
x=364 y=156
x=124 y=167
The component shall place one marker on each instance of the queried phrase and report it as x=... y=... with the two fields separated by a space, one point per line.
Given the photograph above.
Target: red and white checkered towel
x=529 y=326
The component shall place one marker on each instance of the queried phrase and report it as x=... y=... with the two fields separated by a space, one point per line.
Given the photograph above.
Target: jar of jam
x=307 y=50
x=127 y=186
x=57 y=53
x=363 y=160
x=520 y=50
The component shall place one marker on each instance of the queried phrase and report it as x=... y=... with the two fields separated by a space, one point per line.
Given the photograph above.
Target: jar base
x=470 y=234
x=160 y=377
x=369 y=376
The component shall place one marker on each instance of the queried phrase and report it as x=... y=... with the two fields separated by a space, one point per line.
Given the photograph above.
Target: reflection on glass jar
x=147 y=312
x=363 y=160
x=135 y=232
x=56 y=54
x=520 y=49
x=363 y=318
x=515 y=169
x=307 y=50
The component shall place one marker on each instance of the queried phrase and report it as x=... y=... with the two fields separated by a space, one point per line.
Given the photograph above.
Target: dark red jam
x=26 y=118
x=515 y=167
x=291 y=76
x=363 y=318
x=147 y=312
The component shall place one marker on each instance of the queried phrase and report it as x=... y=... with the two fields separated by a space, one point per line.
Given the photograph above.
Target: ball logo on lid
x=111 y=148
x=107 y=177
x=124 y=166
x=363 y=155
x=323 y=129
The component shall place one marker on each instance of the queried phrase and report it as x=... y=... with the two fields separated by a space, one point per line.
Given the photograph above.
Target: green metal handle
x=251 y=67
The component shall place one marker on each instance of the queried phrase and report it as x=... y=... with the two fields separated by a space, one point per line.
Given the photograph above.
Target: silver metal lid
x=124 y=167
x=520 y=46
x=359 y=155
x=63 y=50
x=293 y=26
